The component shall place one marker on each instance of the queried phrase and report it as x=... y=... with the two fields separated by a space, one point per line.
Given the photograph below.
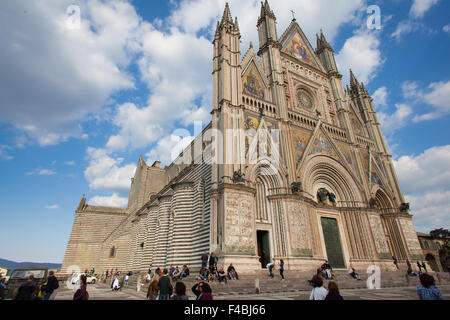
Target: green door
x=333 y=243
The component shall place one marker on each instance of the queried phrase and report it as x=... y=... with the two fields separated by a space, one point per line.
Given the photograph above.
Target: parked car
x=90 y=278
x=20 y=276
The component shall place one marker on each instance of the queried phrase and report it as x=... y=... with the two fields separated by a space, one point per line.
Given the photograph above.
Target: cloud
x=420 y=7
x=105 y=172
x=446 y=28
x=168 y=149
x=361 y=53
x=63 y=75
x=380 y=97
x=395 y=121
x=41 y=172
x=52 y=207
x=417 y=11
x=425 y=180
x=70 y=163
x=112 y=201
x=4 y=153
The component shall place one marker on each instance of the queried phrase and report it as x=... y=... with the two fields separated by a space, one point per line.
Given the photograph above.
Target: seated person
x=184 y=272
x=231 y=272
x=221 y=275
x=353 y=274
x=176 y=275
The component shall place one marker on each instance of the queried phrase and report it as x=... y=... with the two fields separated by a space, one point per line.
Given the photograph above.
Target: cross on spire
x=293 y=15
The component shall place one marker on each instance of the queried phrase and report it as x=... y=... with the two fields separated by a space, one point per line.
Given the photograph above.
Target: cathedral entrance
x=333 y=243
x=263 y=247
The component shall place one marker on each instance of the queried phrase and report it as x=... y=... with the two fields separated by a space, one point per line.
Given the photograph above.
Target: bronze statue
x=322 y=195
x=296 y=187
x=238 y=177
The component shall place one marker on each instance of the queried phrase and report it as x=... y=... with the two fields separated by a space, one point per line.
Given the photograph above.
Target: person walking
x=81 y=293
x=180 y=292
x=125 y=281
x=27 y=290
x=115 y=285
x=395 y=262
x=202 y=291
x=52 y=285
x=333 y=292
x=153 y=288
x=318 y=292
x=282 y=269
x=165 y=287
x=427 y=290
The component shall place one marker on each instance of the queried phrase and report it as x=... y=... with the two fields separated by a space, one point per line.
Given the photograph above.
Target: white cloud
x=446 y=28
x=420 y=7
x=396 y=120
x=4 y=153
x=112 y=201
x=41 y=172
x=63 y=74
x=425 y=180
x=437 y=95
x=410 y=89
x=52 y=207
x=105 y=172
x=380 y=97
x=168 y=149
x=361 y=53
x=70 y=163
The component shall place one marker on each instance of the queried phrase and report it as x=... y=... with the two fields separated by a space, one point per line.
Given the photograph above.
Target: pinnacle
x=227 y=14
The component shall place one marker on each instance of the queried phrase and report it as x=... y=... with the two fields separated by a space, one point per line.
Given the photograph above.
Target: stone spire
x=322 y=42
x=266 y=11
x=227 y=15
x=354 y=84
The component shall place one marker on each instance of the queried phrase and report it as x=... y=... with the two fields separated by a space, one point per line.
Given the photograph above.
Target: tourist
x=52 y=285
x=107 y=272
x=81 y=293
x=424 y=266
x=282 y=269
x=419 y=266
x=2 y=287
x=204 y=259
x=125 y=282
x=333 y=292
x=231 y=272
x=318 y=292
x=165 y=287
x=427 y=290
x=176 y=275
x=328 y=269
x=27 y=290
x=395 y=262
x=222 y=276
x=153 y=288
x=158 y=272
x=270 y=266
x=202 y=291
x=185 y=272
x=180 y=292
x=353 y=274
x=212 y=262
x=115 y=285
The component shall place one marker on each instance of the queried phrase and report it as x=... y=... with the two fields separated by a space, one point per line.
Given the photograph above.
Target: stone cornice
x=238 y=187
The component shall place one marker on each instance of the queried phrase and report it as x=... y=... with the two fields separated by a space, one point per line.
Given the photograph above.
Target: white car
x=90 y=279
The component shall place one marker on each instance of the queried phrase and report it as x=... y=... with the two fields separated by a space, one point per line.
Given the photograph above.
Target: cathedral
x=292 y=166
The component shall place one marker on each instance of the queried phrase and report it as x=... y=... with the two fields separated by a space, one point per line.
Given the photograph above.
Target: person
x=318 y=292
x=27 y=290
x=176 y=274
x=419 y=266
x=328 y=269
x=270 y=266
x=185 y=272
x=107 y=272
x=424 y=266
x=222 y=276
x=231 y=272
x=115 y=285
x=153 y=288
x=333 y=292
x=204 y=259
x=395 y=262
x=427 y=290
x=158 y=271
x=52 y=285
x=180 y=292
x=81 y=293
x=282 y=269
x=212 y=262
x=353 y=274
x=202 y=291
x=2 y=287
x=125 y=282
x=165 y=287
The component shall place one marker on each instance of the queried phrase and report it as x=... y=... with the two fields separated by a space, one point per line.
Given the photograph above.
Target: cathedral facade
x=292 y=166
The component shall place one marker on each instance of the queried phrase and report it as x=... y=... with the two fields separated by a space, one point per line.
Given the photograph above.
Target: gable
x=253 y=83
x=295 y=44
x=300 y=141
x=321 y=145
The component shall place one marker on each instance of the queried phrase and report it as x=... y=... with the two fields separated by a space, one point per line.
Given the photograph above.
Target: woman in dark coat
x=82 y=294
x=333 y=292
x=202 y=291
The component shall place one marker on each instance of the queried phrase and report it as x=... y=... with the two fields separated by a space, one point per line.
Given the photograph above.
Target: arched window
x=112 y=253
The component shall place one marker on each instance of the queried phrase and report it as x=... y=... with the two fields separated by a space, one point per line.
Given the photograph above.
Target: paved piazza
x=102 y=292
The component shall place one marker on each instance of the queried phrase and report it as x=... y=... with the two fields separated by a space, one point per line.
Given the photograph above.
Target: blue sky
x=78 y=106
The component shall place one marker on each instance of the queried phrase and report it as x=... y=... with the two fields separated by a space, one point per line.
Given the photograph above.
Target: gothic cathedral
x=292 y=166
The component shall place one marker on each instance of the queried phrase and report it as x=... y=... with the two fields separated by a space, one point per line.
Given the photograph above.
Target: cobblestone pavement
x=102 y=292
